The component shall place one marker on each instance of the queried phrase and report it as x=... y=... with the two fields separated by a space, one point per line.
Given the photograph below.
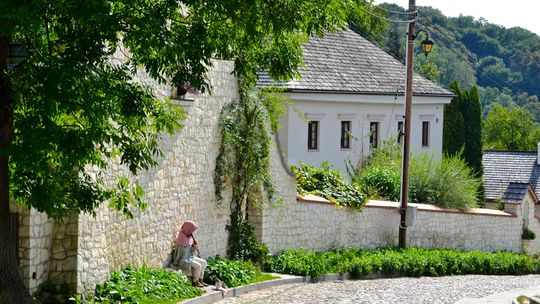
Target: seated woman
x=183 y=254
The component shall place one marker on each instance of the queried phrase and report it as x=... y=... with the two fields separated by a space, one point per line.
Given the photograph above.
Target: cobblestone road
x=401 y=290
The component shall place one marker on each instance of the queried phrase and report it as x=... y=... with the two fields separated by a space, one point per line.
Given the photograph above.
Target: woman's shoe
x=203 y=283
x=198 y=284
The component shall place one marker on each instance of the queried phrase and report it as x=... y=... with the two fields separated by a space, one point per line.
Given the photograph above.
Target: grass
x=264 y=277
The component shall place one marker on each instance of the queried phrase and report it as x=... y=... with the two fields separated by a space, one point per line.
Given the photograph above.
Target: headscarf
x=185 y=234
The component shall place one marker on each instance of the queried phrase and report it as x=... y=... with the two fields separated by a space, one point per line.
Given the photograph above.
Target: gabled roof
x=347 y=63
x=515 y=193
x=504 y=167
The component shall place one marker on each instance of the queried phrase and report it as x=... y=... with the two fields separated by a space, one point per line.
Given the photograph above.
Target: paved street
x=462 y=289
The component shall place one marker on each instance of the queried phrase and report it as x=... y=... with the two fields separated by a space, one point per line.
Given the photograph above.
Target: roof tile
x=347 y=62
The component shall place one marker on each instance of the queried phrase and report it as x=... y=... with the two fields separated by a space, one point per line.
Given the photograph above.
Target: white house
x=351 y=93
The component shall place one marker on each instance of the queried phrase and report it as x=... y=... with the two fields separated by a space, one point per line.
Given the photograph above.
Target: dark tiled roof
x=345 y=62
x=504 y=167
x=515 y=192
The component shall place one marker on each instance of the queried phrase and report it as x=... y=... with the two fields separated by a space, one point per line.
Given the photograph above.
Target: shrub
x=232 y=273
x=298 y=262
x=528 y=234
x=145 y=285
x=381 y=183
x=328 y=183
x=403 y=262
x=244 y=244
x=446 y=182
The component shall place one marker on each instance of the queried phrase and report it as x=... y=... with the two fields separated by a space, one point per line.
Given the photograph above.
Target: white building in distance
x=351 y=93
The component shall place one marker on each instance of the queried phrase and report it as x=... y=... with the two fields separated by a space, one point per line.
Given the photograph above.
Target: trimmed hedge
x=412 y=262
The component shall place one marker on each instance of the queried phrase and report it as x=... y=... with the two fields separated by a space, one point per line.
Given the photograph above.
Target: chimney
x=538 y=154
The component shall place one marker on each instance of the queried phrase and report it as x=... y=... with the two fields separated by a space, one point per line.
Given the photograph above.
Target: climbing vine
x=244 y=161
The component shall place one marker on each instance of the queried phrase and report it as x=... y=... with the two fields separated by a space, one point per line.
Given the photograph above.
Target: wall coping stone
x=314 y=199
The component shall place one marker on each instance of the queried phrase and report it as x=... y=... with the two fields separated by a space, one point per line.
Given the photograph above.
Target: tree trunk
x=12 y=288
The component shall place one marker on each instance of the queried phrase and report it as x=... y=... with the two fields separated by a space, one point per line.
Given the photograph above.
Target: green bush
x=528 y=234
x=243 y=244
x=381 y=183
x=145 y=285
x=328 y=183
x=446 y=182
x=412 y=262
x=231 y=272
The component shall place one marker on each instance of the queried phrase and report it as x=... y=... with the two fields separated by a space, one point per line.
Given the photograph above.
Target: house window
x=345 y=135
x=374 y=134
x=425 y=134
x=399 y=132
x=313 y=135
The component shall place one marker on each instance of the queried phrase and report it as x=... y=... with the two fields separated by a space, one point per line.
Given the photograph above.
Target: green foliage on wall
x=325 y=182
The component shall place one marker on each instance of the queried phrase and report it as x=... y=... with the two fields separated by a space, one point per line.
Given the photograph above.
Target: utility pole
x=407 y=125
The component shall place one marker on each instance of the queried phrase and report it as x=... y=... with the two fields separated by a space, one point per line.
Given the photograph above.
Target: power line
x=387 y=10
x=388 y=19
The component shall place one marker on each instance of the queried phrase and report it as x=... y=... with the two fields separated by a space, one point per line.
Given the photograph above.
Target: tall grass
x=446 y=182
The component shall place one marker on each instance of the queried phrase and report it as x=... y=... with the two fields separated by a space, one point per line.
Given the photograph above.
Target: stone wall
x=180 y=187
x=84 y=250
x=317 y=224
x=35 y=237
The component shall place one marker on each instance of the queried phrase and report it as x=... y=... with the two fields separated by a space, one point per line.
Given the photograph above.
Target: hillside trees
x=510 y=129
x=68 y=106
x=504 y=62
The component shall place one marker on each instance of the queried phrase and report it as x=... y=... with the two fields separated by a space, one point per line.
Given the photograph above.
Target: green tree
x=68 y=105
x=454 y=123
x=429 y=70
x=473 y=127
x=473 y=141
x=510 y=129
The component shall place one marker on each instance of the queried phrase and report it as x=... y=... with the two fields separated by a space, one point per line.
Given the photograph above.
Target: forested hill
x=503 y=62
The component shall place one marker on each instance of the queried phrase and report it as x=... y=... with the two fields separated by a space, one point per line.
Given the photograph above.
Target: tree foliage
x=71 y=104
x=75 y=107
x=504 y=62
x=510 y=129
x=454 y=123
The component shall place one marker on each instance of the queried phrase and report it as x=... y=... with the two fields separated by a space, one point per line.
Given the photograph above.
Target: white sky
x=522 y=13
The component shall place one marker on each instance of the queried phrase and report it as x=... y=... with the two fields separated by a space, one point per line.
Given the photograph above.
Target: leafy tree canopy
x=510 y=129
x=474 y=51
x=74 y=106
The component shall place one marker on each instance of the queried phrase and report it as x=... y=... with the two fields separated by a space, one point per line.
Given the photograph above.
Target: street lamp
x=426 y=44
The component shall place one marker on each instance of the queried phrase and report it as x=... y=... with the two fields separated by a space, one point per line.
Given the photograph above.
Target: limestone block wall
x=477 y=230
x=35 y=236
x=180 y=187
x=532 y=222
x=63 y=252
x=314 y=223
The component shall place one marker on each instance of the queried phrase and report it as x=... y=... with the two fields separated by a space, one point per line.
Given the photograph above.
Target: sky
x=522 y=13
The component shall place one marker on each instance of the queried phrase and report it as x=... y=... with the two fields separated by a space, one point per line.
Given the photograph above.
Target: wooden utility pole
x=407 y=125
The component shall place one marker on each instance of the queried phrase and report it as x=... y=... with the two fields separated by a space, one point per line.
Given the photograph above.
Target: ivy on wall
x=244 y=160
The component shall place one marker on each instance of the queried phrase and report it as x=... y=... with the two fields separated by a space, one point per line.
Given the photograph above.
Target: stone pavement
x=474 y=289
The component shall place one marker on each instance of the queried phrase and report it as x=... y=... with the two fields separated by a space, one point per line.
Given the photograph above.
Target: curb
x=213 y=296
